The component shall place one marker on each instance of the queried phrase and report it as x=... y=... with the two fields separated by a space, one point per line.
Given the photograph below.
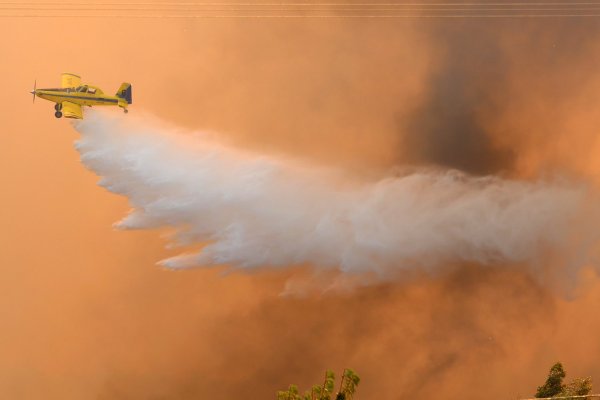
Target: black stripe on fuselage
x=58 y=89
x=83 y=98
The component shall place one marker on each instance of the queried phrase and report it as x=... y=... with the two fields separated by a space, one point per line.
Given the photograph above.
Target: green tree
x=553 y=385
x=577 y=387
x=350 y=381
x=325 y=391
x=290 y=394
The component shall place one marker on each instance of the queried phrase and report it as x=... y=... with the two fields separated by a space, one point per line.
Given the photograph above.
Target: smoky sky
x=87 y=315
x=471 y=331
x=447 y=128
x=414 y=333
x=454 y=123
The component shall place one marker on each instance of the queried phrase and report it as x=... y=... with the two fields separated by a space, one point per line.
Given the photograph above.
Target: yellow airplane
x=72 y=95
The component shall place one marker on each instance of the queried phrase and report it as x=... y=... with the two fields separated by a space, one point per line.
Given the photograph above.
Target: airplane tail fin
x=125 y=92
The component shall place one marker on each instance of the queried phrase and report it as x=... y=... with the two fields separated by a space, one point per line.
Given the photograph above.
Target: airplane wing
x=71 y=110
x=68 y=80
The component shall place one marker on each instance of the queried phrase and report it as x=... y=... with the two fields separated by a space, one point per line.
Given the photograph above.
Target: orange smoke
x=85 y=312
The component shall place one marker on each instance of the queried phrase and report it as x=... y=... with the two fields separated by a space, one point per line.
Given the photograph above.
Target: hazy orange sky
x=86 y=313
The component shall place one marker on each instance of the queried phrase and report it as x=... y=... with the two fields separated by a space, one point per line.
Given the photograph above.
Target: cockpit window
x=82 y=89
x=91 y=90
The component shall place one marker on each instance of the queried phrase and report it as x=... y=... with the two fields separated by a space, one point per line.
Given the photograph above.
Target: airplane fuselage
x=84 y=99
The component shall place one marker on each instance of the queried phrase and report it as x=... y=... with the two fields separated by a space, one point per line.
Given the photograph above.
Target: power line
x=424 y=16
x=284 y=8
x=81 y=9
x=585 y=396
x=91 y=4
x=78 y=8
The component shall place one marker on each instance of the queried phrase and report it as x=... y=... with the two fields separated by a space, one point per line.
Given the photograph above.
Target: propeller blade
x=34 y=87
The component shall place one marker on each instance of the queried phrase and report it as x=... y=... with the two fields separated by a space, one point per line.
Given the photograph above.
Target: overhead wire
x=81 y=9
x=291 y=10
x=158 y=16
x=481 y=4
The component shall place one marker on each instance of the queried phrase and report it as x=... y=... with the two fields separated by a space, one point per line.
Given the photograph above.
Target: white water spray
x=254 y=210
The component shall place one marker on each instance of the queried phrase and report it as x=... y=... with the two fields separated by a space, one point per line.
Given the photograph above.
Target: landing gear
x=125 y=110
x=58 y=107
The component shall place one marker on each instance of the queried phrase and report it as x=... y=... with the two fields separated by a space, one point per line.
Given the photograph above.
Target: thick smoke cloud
x=449 y=127
x=255 y=210
x=498 y=94
x=467 y=333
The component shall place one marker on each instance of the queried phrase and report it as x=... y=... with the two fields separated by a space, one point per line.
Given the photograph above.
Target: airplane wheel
x=58 y=114
x=125 y=110
x=58 y=106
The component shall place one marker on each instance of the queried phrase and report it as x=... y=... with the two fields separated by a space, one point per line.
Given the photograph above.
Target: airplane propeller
x=34 y=87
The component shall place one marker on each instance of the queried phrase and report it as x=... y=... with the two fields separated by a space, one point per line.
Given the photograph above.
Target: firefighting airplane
x=72 y=95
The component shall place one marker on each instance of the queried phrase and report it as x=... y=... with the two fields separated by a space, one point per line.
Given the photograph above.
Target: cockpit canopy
x=88 y=89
